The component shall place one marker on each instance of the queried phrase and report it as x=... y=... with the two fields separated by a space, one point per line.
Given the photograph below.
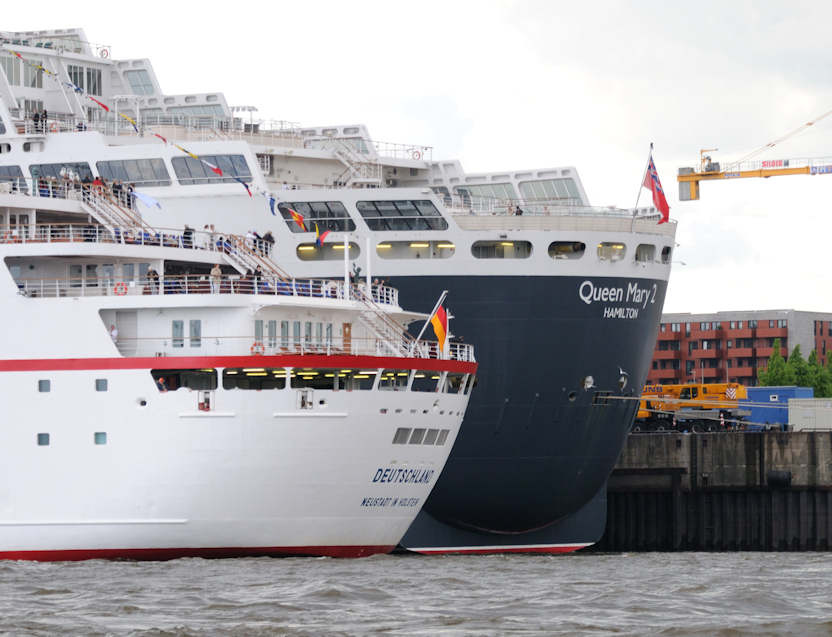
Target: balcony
x=664 y=376
x=666 y=355
x=709 y=334
x=775 y=332
x=705 y=353
x=742 y=372
x=670 y=336
x=745 y=332
x=766 y=352
x=739 y=352
x=711 y=374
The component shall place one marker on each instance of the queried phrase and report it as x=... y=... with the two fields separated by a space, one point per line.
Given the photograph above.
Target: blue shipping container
x=770 y=405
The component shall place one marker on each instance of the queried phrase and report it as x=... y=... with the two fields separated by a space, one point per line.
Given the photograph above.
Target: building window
x=704 y=327
x=43 y=440
x=782 y=323
x=44 y=386
x=178 y=333
x=664 y=327
x=675 y=327
x=196 y=333
x=100 y=437
x=100 y=384
x=752 y=324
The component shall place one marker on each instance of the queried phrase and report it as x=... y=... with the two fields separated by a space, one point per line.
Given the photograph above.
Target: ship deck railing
x=278 y=345
x=261 y=285
x=558 y=207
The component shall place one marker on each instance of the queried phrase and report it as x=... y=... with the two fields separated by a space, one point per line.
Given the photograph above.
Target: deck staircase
x=112 y=215
x=244 y=258
x=393 y=339
x=357 y=169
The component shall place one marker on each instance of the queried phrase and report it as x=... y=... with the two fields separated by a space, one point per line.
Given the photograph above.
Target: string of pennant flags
x=251 y=189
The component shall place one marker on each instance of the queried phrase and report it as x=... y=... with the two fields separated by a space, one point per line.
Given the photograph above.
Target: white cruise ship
x=563 y=299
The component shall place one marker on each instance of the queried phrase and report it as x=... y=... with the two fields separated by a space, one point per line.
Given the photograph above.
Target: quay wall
x=760 y=491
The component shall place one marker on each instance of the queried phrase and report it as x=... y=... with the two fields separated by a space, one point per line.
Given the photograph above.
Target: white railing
x=104 y=285
x=396 y=150
x=280 y=345
x=469 y=205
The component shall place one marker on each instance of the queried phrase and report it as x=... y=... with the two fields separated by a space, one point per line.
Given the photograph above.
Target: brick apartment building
x=731 y=346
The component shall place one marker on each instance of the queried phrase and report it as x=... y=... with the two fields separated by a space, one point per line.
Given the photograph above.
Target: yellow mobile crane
x=689 y=178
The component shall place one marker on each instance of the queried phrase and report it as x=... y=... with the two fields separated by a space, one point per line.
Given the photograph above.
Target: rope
x=784 y=137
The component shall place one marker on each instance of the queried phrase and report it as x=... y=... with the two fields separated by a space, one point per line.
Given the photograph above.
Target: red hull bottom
x=175 y=553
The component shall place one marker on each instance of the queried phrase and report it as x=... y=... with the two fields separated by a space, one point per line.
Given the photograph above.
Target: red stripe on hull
x=285 y=360
x=494 y=551
x=175 y=553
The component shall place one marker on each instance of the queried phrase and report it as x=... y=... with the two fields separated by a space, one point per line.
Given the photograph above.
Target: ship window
x=94 y=81
x=195 y=333
x=11 y=67
x=100 y=437
x=425 y=380
x=443 y=436
x=558 y=191
x=272 y=332
x=327 y=378
x=567 y=249
x=14 y=175
x=32 y=75
x=100 y=384
x=178 y=333
x=329 y=215
x=76 y=75
x=82 y=169
x=328 y=252
x=401 y=436
x=192 y=171
x=140 y=172
x=609 y=251
x=355 y=379
x=402 y=215
x=173 y=379
x=140 y=82
x=501 y=249
x=485 y=191
x=431 y=436
x=393 y=380
x=666 y=252
x=43 y=440
x=645 y=253
x=44 y=386
x=441 y=249
x=417 y=436
x=254 y=378
x=454 y=383
x=472 y=381
x=284 y=334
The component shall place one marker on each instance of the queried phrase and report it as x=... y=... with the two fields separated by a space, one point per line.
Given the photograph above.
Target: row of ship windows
x=257 y=378
x=420 y=436
x=488 y=249
x=98 y=438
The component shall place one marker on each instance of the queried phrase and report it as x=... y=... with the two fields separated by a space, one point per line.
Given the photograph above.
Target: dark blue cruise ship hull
x=530 y=465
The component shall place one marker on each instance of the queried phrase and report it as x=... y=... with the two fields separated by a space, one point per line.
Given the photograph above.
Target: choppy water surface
x=632 y=594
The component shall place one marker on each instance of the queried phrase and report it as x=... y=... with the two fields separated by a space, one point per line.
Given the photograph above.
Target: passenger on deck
x=216 y=278
x=268 y=242
x=160 y=384
x=114 y=333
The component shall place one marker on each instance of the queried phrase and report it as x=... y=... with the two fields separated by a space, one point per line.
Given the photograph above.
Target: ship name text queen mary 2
x=562 y=299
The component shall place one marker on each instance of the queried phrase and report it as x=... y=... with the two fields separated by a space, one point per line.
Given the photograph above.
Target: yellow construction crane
x=689 y=178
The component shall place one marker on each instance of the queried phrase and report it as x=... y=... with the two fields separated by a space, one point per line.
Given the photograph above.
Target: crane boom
x=689 y=178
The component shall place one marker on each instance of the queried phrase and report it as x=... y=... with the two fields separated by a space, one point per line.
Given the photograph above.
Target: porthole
x=503 y=249
x=611 y=251
x=572 y=396
x=567 y=249
x=645 y=253
x=327 y=252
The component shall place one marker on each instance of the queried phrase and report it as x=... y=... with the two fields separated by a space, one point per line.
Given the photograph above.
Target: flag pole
x=641 y=185
x=433 y=311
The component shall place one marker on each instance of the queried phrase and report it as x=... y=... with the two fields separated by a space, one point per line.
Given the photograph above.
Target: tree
x=823 y=388
x=777 y=373
x=819 y=378
x=801 y=373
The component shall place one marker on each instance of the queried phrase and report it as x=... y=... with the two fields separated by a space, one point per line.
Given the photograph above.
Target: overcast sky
x=512 y=85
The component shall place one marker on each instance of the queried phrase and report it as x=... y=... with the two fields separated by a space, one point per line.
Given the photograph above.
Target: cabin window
x=32 y=75
x=645 y=253
x=610 y=251
x=11 y=67
x=43 y=440
x=441 y=249
x=425 y=380
x=296 y=333
x=393 y=380
x=100 y=437
x=401 y=436
x=140 y=172
x=666 y=254
x=254 y=378
x=431 y=436
x=195 y=335
x=94 y=81
x=472 y=381
x=417 y=436
x=284 y=334
x=503 y=192
x=567 y=249
x=272 y=333
x=100 y=384
x=140 y=82
x=328 y=252
x=307 y=333
x=501 y=249
x=44 y=386
x=558 y=191
x=178 y=333
x=13 y=175
x=443 y=436
x=82 y=169
x=328 y=215
x=454 y=383
x=402 y=215
x=173 y=379
x=190 y=171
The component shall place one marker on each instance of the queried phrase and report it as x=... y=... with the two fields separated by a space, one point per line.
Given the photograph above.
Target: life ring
x=416 y=154
x=120 y=288
x=54 y=128
x=104 y=52
x=256 y=348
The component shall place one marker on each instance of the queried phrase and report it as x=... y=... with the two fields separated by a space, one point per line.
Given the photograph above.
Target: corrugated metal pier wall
x=766 y=491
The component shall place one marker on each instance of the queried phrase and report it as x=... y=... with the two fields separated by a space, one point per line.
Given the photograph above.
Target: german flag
x=439 y=321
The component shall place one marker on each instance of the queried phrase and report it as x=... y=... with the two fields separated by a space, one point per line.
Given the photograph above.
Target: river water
x=596 y=594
